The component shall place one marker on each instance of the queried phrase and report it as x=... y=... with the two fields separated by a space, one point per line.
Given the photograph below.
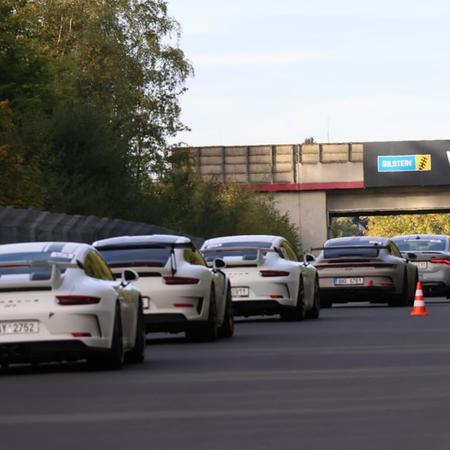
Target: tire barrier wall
x=29 y=225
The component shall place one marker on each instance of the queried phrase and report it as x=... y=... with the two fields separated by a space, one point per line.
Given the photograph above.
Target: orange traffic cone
x=419 y=302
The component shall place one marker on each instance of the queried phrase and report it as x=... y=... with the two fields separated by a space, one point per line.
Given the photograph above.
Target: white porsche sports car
x=266 y=276
x=180 y=292
x=60 y=301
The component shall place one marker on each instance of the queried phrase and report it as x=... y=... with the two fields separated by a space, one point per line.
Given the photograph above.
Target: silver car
x=431 y=254
x=365 y=269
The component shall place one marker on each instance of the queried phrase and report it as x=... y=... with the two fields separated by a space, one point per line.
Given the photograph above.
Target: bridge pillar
x=308 y=211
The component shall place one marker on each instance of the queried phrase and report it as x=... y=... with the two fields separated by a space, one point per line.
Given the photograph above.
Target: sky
x=280 y=71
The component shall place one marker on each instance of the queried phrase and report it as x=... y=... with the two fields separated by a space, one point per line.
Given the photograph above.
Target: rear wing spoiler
x=132 y=245
x=55 y=277
x=152 y=245
x=352 y=247
x=259 y=253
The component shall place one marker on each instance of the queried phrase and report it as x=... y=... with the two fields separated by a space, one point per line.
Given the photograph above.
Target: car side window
x=95 y=267
x=193 y=257
x=89 y=266
x=103 y=268
x=281 y=252
x=394 y=250
x=290 y=252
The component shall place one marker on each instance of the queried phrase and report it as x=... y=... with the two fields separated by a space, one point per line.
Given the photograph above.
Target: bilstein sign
x=409 y=163
x=404 y=163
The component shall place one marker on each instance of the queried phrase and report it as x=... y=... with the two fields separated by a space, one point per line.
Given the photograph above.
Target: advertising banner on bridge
x=408 y=163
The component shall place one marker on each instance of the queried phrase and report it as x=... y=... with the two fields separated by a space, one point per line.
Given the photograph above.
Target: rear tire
x=404 y=298
x=227 y=329
x=206 y=332
x=297 y=313
x=314 y=313
x=137 y=354
x=114 y=358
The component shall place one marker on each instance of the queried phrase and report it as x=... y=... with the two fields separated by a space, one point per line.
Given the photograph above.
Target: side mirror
x=308 y=258
x=218 y=263
x=129 y=275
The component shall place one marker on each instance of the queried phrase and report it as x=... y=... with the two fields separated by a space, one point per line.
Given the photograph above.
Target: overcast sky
x=278 y=71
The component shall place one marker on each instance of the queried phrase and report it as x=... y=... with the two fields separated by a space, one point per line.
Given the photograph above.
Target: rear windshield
x=153 y=257
x=420 y=245
x=220 y=250
x=367 y=249
x=19 y=264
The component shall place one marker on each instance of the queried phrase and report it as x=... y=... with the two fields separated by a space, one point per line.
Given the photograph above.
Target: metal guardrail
x=30 y=225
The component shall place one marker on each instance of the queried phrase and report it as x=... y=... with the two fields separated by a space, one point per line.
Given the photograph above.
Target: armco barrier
x=28 y=225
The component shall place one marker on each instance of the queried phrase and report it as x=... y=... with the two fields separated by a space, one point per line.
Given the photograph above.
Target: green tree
x=89 y=95
x=343 y=226
x=24 y=98
x=389 y=226
x=94 y=88
x=184 y=202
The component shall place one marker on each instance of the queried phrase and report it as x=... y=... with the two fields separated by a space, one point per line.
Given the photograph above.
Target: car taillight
x=180 y=280
x=440 y=261
x=69 y=300
x=81 y=334
x=273 y=273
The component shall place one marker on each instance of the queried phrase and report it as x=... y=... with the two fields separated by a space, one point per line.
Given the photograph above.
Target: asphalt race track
x=362 y=377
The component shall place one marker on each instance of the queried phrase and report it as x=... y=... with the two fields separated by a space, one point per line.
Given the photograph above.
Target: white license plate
x=146 y=302
x=348 y=281
x=19 y=327
x=421 y=264
x=239 y=292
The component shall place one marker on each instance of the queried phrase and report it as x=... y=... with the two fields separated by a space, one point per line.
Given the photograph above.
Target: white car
x=181 y=294
x=60 y=301
x=266 y=276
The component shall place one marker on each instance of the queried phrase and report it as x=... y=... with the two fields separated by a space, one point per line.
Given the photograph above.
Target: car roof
x=358 y=240
x=76 y=248
x=144 y=239
x=244 y=238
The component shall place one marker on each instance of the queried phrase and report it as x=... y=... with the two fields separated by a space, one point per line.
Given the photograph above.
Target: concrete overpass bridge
x=315 y=182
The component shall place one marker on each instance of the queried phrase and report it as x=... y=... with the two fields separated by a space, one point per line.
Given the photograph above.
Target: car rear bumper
x=435 y=289
x=172 y=323
x=357 y=294
x=258 y=307
x=43 y=351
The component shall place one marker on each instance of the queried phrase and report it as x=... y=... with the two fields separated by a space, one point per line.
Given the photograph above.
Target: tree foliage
x=89 y=97
x=344 y=226
x=183 y=201
x=93 y=89
x=389 y=226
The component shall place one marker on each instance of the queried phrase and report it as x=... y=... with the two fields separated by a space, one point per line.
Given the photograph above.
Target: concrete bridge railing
x=276 y=164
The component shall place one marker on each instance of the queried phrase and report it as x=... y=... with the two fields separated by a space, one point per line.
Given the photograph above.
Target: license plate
x=348 y=281
x=146 y=302
x=239 y=292
x=420 y=264
x=19 y=327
